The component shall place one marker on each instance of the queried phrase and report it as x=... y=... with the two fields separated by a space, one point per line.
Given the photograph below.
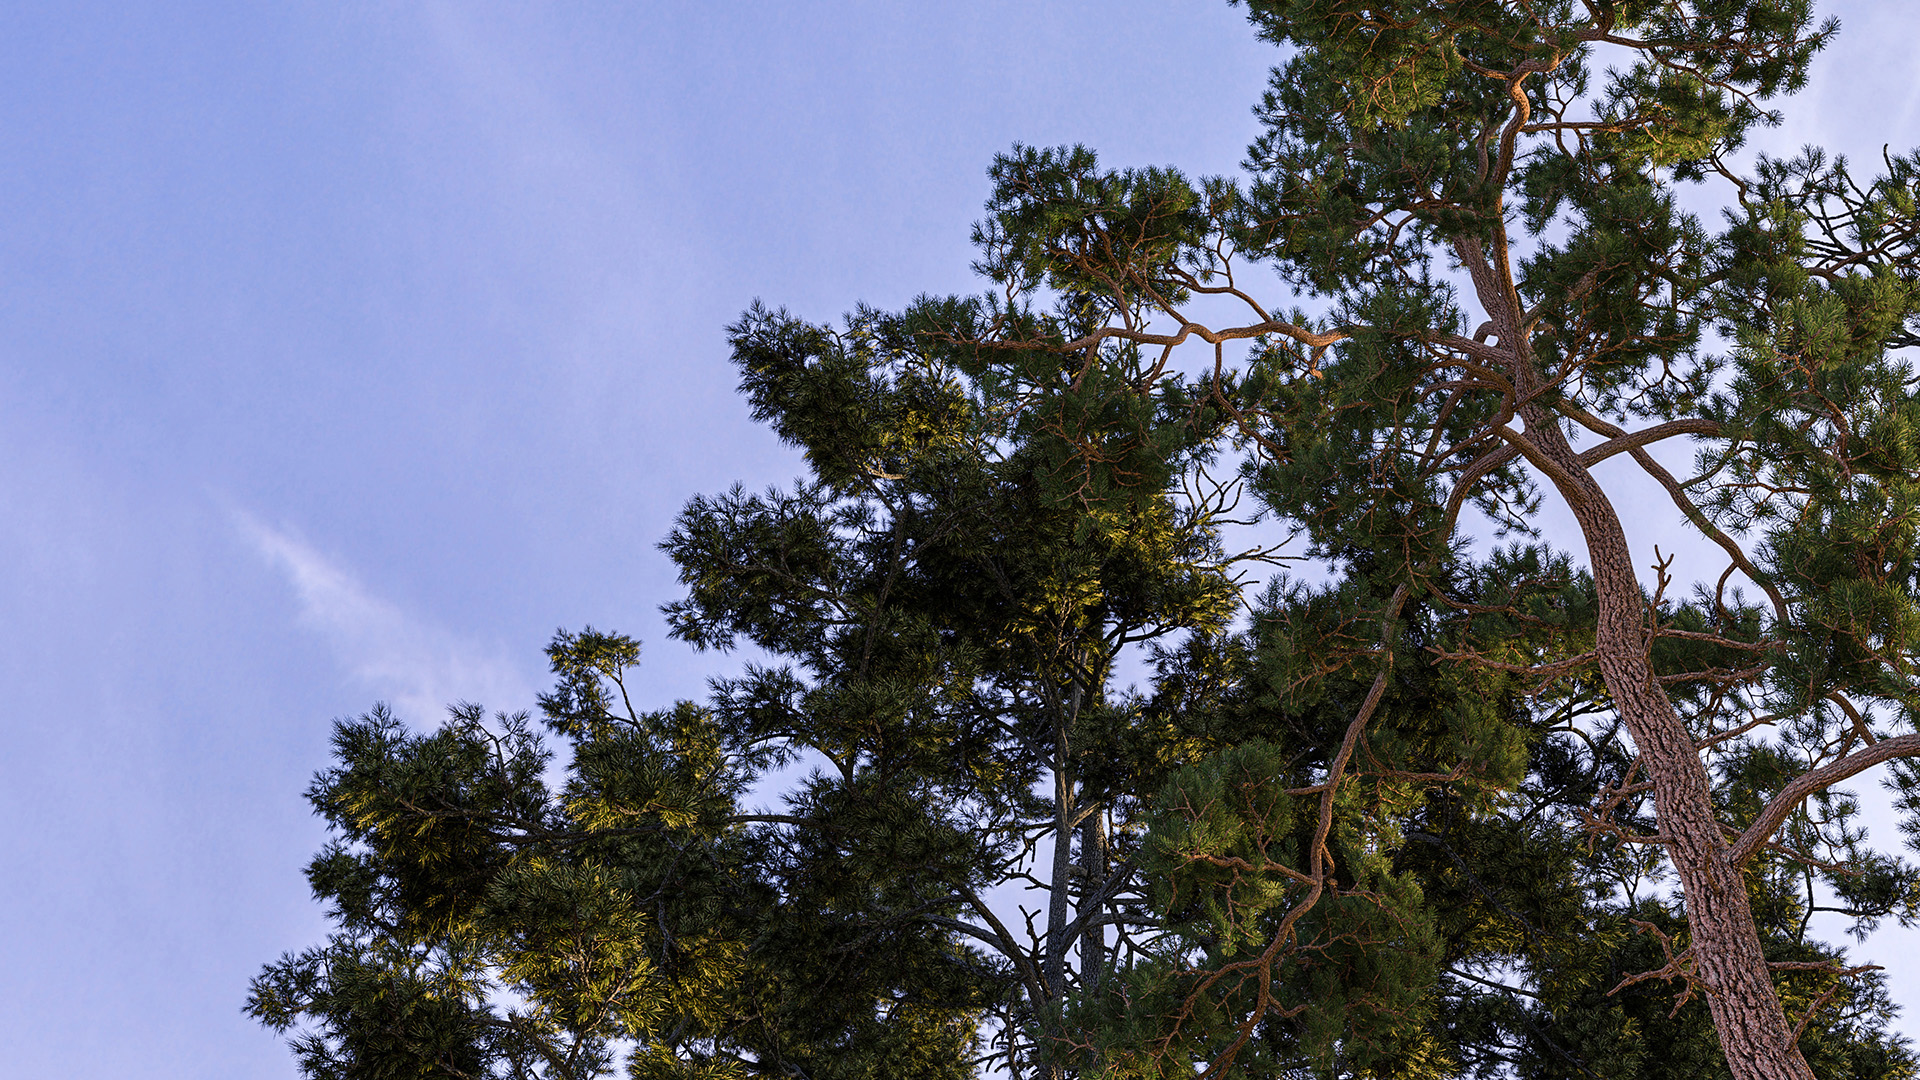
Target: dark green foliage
x=492 y=925
x=1391 y=816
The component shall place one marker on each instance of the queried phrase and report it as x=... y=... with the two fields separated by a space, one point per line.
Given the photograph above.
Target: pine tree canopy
x=1164 y=670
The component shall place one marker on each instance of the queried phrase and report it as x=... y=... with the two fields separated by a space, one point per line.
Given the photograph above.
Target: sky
x=349 y=349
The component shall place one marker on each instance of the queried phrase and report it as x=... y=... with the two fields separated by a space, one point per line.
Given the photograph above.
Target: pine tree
x=947 y=595
x=1411 y=146
x=1414 y=809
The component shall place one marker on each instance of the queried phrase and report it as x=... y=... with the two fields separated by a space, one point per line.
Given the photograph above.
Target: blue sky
x=347 y=349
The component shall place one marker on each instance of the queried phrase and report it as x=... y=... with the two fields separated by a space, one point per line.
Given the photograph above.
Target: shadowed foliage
x=1150 y=680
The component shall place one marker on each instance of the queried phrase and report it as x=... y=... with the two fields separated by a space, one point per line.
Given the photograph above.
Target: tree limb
x=1810 y=783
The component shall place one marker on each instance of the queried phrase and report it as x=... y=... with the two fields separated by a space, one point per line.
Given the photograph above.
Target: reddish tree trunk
x=1728 y=962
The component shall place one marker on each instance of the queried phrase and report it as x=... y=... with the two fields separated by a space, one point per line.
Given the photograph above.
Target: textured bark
x=1728 y=963
x=1053 y=966
x=1093 y=873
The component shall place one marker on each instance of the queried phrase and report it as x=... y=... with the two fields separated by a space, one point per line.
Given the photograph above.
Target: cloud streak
x=416 y=666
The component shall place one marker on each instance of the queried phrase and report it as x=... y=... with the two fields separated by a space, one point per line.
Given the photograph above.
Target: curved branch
x=1622 y=441
x=1677 y=492
x=1807 y=784
x=1213 y=337
x=1537 y=457
x=1318 y=859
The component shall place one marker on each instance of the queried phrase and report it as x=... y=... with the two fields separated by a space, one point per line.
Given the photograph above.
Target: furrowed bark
x=1093 y=874
x=1728 y=963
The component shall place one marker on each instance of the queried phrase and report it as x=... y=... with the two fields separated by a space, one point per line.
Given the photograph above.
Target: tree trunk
x=1727 y=959
x=1093 y=874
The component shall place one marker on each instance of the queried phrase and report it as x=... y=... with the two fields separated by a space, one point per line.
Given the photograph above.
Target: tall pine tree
x=1411 y=811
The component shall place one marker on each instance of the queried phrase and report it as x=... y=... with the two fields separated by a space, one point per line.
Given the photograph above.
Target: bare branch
x=1807 y=784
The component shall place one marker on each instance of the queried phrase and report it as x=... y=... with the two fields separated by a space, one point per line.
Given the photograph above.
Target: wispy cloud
x=416 y=666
